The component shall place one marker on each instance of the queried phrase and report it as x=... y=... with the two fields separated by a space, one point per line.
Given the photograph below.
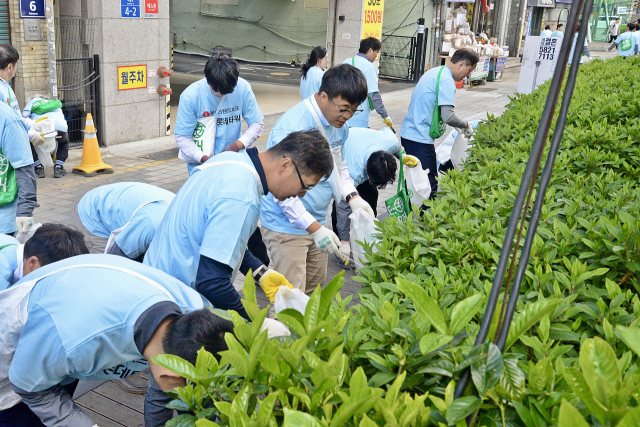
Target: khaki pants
x=297 y=259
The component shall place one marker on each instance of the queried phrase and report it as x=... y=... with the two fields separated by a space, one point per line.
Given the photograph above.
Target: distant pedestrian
x=312 y=72
x=636 y=34
x=626 y=43
x=546 y=32
x=585 y=50
x=559 y=31
x=614 y=30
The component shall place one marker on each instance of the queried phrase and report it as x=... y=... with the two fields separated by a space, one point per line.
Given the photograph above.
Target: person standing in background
x=312 y=72
x=558 y=32
x=546 y=32
x=614 y=30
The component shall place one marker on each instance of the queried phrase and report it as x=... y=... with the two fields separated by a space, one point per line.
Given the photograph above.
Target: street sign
x=150 y=8
x=132 y=77
x=130 y=9
x=33 y=9
x=32 y=30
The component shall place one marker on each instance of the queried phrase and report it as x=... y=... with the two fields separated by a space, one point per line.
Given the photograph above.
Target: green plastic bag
x=438 y=127
x=399 y=205
x=43 y=106
x=8 y=185
x=625 y=44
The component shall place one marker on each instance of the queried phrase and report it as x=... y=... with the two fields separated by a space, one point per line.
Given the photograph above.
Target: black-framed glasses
x=349 y=113
x=304 y=187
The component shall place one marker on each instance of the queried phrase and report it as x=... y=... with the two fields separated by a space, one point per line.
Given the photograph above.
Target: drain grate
x=169 y=154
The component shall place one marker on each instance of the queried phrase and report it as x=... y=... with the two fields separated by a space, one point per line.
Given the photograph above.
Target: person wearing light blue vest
x=312 y=72
x=17 y=177
x=558 y=32
x=626 y=43
x=95 y=317
x=294 y=230
x=585 y=50
x=8 y=67
x=415 y=133
x=368 y=52
x=211 y=110
x=131 y=211
x=370 y=156
x=547 y=31
x=50 y=243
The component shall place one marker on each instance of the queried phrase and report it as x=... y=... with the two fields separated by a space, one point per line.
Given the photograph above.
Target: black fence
x=397 y=57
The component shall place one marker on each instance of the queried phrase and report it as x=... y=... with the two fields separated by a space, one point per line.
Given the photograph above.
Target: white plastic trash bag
x=459 y=152
x=290 y=298
x=46 y=127
x=362 y=230
x=443 y=152
x=22 y=238
x=418 y=184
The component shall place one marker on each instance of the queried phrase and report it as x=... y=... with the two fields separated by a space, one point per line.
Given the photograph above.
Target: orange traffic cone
x=92 y=163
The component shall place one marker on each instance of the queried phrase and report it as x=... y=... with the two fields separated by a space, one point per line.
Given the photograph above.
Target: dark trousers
x=21 y=416
x=62 y=153
x=369 y=193
x=257 y=247
x=426 y=153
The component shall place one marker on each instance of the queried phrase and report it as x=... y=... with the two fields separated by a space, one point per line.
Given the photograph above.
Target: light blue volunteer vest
x=8 y=96
x=57 y=115
x=626 y=44
x=361 y=144
x=81 y=320
x=316 y=201
x=311 y=84
x=214 y=214
x=8 y=260
x=417 y=122
x=110 y=207
x=16 y=150
x=371 y=75
x=197 y=102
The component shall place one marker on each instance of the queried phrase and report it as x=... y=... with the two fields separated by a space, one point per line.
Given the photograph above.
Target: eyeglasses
x=349 y=113
x=304 y=187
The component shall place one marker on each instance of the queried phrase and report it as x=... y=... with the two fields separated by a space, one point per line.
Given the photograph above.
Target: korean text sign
x=372 y=19
x=132 y=77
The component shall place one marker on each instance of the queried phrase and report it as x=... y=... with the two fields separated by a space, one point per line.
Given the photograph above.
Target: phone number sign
x=548 y=49
x=132 y=77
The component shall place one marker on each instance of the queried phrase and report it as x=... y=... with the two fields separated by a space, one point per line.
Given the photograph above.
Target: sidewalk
x=154 y=161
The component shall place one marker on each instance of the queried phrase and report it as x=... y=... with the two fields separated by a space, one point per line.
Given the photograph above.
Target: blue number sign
x=130 y=8
x=33 y=9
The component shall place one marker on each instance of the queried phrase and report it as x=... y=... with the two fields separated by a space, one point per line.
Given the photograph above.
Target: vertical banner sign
x=372 y=19
x=150 y=8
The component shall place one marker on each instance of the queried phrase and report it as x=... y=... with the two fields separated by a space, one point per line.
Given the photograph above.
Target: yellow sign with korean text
x=372 y=19
x=132 y=77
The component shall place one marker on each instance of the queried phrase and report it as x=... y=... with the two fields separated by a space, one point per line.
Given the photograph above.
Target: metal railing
x=397 y=57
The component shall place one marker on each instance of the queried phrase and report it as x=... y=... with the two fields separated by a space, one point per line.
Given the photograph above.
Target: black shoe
x=58 y=171
x=39 y=171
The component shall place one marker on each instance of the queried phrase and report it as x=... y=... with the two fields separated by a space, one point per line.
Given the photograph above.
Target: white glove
x=36 y=139
x=24 y=223
x=358 y=203
x=327 y=241
x=468 y=131
x=345 y=250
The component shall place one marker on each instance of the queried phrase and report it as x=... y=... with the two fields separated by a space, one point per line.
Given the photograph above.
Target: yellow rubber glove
x=410 y=161
x=271 y=281
x=388 y=122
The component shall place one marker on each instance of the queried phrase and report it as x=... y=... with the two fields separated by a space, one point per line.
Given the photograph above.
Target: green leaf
x=177 y=365
x=576 y=381
x=251 y=308
x=540 y=374
x=570 y=416
x=293 y=319
x=632 y=419
x=463 y=312
x=366 y=422
x=235 y=360
x=294 y=418
x=486 y=371
x=353 y=407
x=432 y=341
x=512 y=379
x=525 y=319
x=631 y=337
x=424 y=304
x=249 y=289
x=205 y=363
x=462 y=408
x=392 y=393
x=312 y=309
x=203 y=422
x=183 y=420
x=600 y=369
x=525 y=414
x=328 y=294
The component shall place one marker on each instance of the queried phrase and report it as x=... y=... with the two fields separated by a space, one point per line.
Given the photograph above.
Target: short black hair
x=547 y=27
x=8 y=55
x=346 y=81
x=381 y=169
x=222 y=73
x=559 y=26
x=470 y=57
x=369 y=43
x=188 y=333
x=54 y=242
x=309 y=150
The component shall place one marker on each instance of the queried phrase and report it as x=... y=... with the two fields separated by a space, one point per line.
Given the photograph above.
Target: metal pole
x=418 y=56
x=51 y=44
